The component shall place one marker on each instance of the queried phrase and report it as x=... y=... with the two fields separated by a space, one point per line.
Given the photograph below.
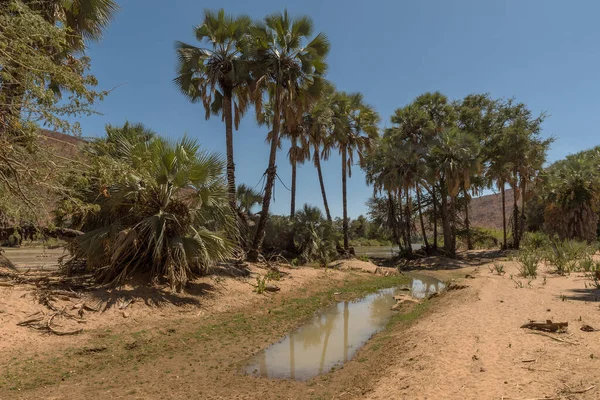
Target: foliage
x=536 y=240
x=43 y=81
x=564 y=255
x=170 y=218
x=498 y=268
x=261 y=284
x=481 y=238
x=528 y=260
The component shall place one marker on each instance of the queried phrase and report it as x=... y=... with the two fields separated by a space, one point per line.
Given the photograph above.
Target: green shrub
x=535 y=240
x=528 y=263
x=481 y=238
x=594 y=275
x=499 y=268
x=565 y=255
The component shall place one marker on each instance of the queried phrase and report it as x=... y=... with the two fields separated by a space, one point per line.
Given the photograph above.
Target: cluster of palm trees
x=569 y=196
x=439 y=152
x=277 y=66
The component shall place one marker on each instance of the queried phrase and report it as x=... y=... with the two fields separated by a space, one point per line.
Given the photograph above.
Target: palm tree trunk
x=346 y=318
x=467 y=222
x=320 y=173
x=503 y=214
x=271 y=174
x=408 y=224
x=344 y=198
x=293 y=201
x=522 y=219
x=228 y=115
x=401 y=222
x=418 y=190
x=435 y=219
x=393 y=221
x=515 y=217
x=446 y=224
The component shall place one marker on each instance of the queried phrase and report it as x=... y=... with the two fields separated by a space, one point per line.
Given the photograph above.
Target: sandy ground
x=473 y=346
x=467 y=344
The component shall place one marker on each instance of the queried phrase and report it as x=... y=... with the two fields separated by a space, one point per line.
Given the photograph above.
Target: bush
x=481 y=238
x=565 y=255
x=535 y=240
x=528 y=262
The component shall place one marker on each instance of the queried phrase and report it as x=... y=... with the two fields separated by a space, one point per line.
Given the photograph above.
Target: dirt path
x=473 y=348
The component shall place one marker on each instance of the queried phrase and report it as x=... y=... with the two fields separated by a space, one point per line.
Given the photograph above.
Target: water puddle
x=335 y=334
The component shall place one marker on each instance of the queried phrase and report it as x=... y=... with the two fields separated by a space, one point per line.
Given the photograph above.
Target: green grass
x=138 y=347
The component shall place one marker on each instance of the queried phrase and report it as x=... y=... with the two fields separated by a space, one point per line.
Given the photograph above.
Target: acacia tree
x=287 y=65
x=354 y=130
x=218 y=76
x=28 y=167
x=78 y=21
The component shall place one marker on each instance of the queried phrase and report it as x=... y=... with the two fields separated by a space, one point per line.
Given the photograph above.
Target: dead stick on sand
x=582 y=391
x=553 y=337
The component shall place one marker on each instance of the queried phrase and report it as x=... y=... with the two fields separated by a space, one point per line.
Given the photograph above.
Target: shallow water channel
x=334 y=335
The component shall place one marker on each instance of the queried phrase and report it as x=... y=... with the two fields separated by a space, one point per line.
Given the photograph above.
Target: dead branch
x=547 y=326
x=554 y=338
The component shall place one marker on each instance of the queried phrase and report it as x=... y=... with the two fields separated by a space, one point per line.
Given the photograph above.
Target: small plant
x=364 y=258
x=565 y=255
x=594 y=275
x=273 y=275
x=587 y=264
x=499 y=268
x=528 y=263
x=518 y=284
x=261 y=284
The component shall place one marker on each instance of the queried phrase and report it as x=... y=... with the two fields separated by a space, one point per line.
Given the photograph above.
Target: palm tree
x=289 y=67
x=247 y=199
x=456 y=156
x=171 y=219
x=354 y=130
x=318 y=124
x=218 y=76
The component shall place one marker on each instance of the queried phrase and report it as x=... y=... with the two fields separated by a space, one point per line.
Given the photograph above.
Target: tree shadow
x=152 y=296
x=440 y=262
x=588 y=295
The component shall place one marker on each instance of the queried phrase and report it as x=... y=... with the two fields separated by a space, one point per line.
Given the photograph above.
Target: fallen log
x=547 y=326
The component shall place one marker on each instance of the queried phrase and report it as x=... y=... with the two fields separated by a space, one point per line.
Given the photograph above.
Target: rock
x=272 y=288
x=405 y=298
x=126 y=314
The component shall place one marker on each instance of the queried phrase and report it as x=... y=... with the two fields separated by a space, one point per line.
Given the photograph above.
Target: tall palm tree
x=218 y=75
x=289 y=66
x=318 y=125
x=354 y=130
x=456 y=156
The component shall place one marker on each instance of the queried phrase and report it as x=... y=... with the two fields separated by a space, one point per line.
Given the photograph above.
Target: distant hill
x=486 y=211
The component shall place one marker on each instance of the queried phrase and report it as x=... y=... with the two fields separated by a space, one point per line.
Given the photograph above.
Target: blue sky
x=543 y=52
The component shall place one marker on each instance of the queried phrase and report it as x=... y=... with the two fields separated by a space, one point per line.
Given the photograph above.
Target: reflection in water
x=334 y=335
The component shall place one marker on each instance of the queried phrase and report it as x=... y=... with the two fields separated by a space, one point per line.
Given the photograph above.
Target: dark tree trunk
x=503 y=214
x=522 y=220
x=344 y=199
x=228 y=115
x=271 y=174
x=446 y=224
x=516 y=234
x=435 y=217
x=408 y=225
x=293 y=201
x=320 y=173
x=424 y=233
x=394 y=221
x=467 y=222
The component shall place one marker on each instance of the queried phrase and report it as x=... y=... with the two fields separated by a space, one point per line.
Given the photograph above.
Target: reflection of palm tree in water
x=380 y=308
x=346 y=317
x=262 y=364
x=328 y=327
x=292 y=358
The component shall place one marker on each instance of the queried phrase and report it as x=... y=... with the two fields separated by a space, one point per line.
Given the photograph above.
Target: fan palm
x=354 y=130
x=456 y=158
x=288 y=66
x=172 y=220
x=218 y=76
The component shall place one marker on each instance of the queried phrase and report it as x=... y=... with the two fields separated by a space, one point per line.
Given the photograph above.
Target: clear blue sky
x=543 y=52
